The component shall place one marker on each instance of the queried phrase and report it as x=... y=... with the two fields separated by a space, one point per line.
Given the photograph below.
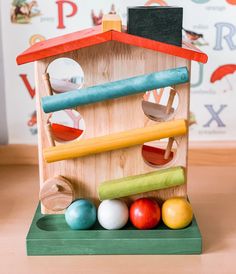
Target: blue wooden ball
x=81 y=214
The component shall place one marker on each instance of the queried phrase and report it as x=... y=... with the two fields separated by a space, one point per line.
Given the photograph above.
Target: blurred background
x=208 y=24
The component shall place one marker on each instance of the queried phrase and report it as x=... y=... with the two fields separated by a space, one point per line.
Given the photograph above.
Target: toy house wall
x=102 y=63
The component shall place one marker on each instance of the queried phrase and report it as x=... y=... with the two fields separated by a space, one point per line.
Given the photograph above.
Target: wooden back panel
x=103 y=63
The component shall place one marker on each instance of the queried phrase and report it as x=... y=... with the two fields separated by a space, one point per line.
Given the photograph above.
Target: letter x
x=215 y=115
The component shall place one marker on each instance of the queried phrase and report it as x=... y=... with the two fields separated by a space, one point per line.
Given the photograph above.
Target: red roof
x=94 y=36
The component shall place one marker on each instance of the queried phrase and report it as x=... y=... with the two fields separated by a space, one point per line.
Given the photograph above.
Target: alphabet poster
x=208 y=24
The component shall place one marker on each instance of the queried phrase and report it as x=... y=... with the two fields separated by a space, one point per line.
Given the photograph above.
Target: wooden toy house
x=116 y=128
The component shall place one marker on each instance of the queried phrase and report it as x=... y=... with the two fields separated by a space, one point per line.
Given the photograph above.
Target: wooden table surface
x=212 y=191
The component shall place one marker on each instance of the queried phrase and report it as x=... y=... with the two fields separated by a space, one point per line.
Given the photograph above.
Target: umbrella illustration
x=232 y=2
x=159 y=2
x=222 y=72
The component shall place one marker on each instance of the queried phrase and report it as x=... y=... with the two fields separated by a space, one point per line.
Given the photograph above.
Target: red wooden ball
x=145 y=213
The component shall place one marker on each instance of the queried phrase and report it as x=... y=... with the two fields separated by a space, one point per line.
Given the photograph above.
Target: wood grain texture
x=103 y=64
x=160 y=23
x=115 y=89
x=170 y=101
x=115 y=141
x=47 y=83
x=57 y=194
x=18 y=154
x=169 y=148
x=211 y=190
x=49 y=133
x=94 y=36
x=50 y=235
x=200 y=154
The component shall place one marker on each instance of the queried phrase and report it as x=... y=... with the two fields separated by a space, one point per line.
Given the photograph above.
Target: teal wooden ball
x=81 y=214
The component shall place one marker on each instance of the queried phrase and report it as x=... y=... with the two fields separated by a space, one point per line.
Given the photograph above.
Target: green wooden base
x=50 y=235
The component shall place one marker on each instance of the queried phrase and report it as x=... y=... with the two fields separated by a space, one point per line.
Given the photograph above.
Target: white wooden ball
x=113 y=214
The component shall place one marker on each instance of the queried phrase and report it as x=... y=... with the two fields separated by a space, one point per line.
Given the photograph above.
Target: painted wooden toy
x=177 y=213
x=81 y=214
x=113 y=214
x=145 y=213
x=114 y=152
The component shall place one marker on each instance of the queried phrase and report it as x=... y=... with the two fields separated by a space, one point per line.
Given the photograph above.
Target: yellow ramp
x=115 y=141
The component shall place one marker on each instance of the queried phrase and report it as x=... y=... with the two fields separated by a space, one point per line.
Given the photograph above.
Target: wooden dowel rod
x=47 y=83
x=168 y=110
x=168 y=148
x=115 y=141
x=116 y=89
x=137 y=184
x=170 y=101
x=49 y=133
